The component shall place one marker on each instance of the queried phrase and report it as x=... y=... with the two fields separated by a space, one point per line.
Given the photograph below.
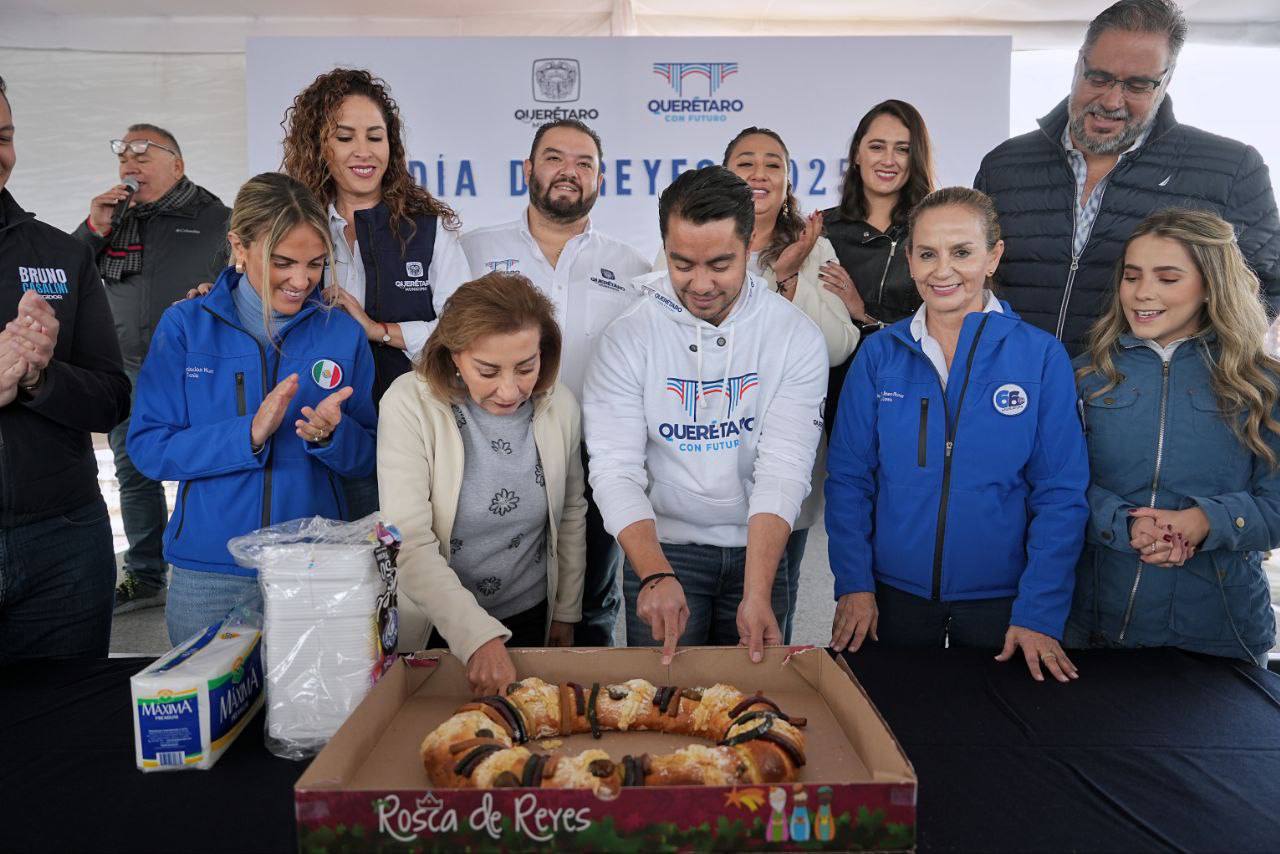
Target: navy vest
x=396 y=285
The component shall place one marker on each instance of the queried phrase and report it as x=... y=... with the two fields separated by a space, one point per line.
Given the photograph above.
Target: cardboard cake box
x=367 y=789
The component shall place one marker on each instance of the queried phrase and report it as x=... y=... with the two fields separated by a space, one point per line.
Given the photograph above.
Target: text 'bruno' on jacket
x=47 y=467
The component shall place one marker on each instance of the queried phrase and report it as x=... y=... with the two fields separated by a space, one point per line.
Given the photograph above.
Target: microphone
x=123 y=205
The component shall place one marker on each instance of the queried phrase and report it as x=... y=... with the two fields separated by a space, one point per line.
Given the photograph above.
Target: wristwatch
x=386 y=334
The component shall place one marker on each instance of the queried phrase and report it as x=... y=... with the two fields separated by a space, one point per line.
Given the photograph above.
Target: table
x=1149 y=750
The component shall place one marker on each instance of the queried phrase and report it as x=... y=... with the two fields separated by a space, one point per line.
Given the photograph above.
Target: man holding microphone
x=154 y=236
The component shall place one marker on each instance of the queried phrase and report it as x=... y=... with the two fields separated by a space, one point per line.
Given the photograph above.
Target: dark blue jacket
x=397 y=289
x=1219 y=601
x=1030 y=179
x=200 y=386
x=975 y=493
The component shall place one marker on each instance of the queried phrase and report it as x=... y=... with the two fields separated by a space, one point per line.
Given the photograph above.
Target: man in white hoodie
x=702 y=411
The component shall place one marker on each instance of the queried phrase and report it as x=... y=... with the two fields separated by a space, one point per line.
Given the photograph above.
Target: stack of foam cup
x=319 y=638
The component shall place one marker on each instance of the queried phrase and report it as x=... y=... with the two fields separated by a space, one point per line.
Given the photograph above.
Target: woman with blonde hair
x=479 y=467
x=1179 y=403
x=255 y=397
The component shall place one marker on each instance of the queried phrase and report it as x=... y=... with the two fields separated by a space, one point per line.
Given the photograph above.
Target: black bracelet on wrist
x=655 y=578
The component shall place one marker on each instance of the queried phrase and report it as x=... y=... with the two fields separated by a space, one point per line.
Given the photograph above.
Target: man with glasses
x=1070 y=193
x=172 y=237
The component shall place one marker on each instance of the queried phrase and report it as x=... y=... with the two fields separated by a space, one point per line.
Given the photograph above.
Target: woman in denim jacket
x=1179 y=400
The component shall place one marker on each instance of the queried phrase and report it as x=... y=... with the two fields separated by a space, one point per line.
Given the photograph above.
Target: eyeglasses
x=1101 y=81
x=138 y=146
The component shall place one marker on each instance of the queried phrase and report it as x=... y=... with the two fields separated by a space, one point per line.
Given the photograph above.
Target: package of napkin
x=189 y=705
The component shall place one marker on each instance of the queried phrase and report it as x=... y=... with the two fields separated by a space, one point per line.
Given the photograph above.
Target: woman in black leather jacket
x=890 y=170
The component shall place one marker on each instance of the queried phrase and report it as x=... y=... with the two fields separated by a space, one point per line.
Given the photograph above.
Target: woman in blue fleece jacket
x=1180 y=404
x=255 y=397
x=957 y=471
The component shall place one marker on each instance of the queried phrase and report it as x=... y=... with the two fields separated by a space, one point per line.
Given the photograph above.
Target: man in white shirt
x=587 y=275
x=702 y=412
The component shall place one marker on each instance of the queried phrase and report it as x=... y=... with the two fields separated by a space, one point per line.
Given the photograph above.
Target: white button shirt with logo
x=589 y=286
x=448 y=270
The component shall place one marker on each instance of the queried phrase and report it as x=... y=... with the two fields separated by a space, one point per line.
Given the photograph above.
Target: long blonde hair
x=1243 y=375
x=267 y=208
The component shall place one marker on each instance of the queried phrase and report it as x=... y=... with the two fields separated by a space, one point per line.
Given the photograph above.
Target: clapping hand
x=792 y=258
x=318 y=424
x=32 y=335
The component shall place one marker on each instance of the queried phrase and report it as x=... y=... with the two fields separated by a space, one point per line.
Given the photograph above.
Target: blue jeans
x=795 y=554
x=197 y=600
x=712 y=578
x=600 y=601
x=361 y=494
x=907 y=620
x=143 y=510
x=57 y=579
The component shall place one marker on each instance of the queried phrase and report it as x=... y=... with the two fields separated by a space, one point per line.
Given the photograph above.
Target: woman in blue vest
x=957 y=470
x=1179 y=401
x=396 y=250
x=255 y=398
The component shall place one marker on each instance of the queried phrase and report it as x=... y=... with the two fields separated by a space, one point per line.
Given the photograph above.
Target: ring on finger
x=1045 y=656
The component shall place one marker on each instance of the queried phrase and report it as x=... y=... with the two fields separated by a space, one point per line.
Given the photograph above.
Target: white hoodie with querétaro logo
x=698 y=426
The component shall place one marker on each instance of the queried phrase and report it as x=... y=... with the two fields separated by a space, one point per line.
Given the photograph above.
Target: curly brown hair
x=312 y=119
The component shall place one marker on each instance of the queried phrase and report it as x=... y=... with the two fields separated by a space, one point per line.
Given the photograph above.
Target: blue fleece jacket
x=201 y=384
x=973 y=493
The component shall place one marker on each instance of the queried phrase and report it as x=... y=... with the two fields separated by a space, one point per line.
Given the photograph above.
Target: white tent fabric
x=79 y=71
x=182 y=26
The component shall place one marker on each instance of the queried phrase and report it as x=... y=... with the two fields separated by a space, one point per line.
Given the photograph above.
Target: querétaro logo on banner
x=687 y=80
x=556 y=80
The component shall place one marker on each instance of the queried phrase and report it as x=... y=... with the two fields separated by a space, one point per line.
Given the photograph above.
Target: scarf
x=249 y=309
x=123 y=255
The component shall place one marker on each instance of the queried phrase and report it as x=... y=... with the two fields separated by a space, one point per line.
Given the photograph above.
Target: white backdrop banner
x=660 y=105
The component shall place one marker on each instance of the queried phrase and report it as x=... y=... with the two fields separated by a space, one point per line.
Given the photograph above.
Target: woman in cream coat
x=478 y=466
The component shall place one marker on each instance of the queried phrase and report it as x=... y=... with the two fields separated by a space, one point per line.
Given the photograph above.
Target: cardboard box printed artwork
x=367 y=790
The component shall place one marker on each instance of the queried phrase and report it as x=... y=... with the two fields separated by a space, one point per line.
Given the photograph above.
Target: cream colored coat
x=420 y=465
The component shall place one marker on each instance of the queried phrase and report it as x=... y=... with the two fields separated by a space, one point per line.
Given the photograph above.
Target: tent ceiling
x=196 y=26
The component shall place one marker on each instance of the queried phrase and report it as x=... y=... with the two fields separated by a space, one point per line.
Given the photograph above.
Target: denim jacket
x=1159 y=439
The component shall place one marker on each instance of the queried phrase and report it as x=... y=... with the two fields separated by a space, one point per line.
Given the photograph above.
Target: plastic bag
x=329 y=627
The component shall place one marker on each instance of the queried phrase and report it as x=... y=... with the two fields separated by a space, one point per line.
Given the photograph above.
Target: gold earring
x=239 y=266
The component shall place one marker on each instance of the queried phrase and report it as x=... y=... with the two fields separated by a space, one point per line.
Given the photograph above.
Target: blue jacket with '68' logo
x=200 y=386
x=974 y=492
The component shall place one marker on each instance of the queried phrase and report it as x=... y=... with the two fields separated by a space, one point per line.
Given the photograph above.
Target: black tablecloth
x=1148 y=750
